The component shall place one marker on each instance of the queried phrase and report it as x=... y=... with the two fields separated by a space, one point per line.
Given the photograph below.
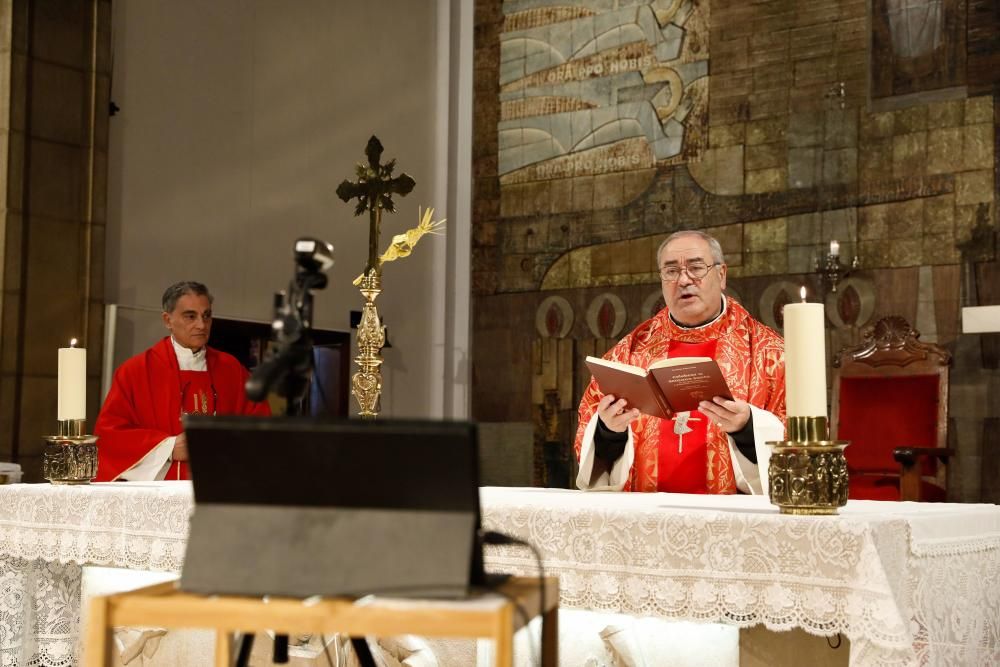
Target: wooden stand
x=491 y=615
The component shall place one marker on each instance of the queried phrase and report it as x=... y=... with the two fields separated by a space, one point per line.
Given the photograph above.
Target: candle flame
x=72 y=342
x=802 y=293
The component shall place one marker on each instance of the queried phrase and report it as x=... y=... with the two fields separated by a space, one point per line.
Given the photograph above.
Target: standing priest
x=139 y=428
x=717 y=448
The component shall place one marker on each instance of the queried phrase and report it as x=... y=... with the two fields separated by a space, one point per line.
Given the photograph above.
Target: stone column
x=55 y=79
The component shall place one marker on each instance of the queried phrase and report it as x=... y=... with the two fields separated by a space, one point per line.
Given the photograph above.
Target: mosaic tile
x=973 y=187
x=805 y=129
x=765 y=180
x=721 y=136
x=803 y=229
x=873 y=222
x=905 y=252
x=764 y=156
x=840 y=165
x=944 y=150
x=909 y=154
x=766 y=131
x=876 y=125
x=766 y=235
x=979 y=110
x=978 y=146
x=945 y=114
x=939 y=215
x=905 y=218
x=804 y=167
x=912 y=119
x=841 y=129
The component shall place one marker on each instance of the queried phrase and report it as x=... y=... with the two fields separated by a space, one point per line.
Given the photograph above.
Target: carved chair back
x=890 y=399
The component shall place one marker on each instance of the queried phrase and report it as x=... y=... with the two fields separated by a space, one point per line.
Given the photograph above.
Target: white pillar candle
x=805 y=359
x=835 y=248
x=72 y=402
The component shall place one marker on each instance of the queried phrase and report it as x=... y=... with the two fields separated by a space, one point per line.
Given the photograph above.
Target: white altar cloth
x=47 y=534
x=908 y=583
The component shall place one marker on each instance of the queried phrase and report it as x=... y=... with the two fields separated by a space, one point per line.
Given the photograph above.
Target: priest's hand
x=180 y=452
x=616 y=414
x=731 y=416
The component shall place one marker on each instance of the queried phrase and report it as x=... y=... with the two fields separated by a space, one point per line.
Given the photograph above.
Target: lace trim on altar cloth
x=955 y=547
x=941 y=530
x=139 y=526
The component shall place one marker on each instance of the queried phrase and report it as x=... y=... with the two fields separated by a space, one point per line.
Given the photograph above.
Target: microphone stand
x=288 y=370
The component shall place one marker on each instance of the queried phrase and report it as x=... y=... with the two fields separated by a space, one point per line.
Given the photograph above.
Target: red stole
x=682 y=460
x=197 y=397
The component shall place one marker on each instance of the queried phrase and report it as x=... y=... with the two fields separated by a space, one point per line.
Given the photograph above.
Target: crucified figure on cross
x=374 y=189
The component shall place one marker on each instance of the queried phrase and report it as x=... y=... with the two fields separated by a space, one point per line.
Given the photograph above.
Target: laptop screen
x=301 y=507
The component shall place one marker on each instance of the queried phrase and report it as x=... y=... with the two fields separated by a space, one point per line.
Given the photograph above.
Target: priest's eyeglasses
x=695 y=271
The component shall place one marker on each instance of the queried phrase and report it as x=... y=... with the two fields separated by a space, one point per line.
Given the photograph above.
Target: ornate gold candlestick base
x=70 y=457
x=366 y=384
x=808 y=472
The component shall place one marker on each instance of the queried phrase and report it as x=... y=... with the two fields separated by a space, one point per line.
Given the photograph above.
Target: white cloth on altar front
x=750 y=477
x=155 y=464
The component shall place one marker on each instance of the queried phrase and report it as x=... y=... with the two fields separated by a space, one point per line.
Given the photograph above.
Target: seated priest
x=717 y=448
x=139 y=428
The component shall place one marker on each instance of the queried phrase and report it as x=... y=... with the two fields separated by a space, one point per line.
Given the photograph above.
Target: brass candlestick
x=70 y=456
x=808 y=472
x=366 y=385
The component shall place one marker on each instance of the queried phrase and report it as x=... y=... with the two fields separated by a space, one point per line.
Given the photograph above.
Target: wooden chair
x=890 y=399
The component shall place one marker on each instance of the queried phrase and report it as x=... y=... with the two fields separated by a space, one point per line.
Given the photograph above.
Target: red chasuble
x=751 y=357
x=145 y=403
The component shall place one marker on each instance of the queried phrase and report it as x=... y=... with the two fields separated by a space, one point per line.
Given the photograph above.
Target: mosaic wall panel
x=599 y=88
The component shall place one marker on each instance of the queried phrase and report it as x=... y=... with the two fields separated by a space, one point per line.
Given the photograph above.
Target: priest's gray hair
x=177 y=290
x=713 y=244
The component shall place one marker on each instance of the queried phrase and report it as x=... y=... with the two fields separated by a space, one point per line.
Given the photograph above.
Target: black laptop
x=301 y=507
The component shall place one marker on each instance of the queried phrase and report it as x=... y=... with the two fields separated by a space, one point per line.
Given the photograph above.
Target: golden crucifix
x=374 y=190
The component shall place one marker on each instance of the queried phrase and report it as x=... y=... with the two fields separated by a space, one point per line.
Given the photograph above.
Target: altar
x=906 y=583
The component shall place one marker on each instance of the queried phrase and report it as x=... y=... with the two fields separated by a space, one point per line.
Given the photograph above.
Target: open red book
x=666 y=387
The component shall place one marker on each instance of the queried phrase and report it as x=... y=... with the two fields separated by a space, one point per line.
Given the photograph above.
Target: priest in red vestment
x=718 y=448
x=139 y=428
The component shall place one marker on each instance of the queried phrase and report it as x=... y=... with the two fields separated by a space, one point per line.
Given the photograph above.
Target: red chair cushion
x=879 y=414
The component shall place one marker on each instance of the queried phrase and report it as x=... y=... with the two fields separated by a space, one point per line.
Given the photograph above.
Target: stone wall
x=57 y=85
x=790 y=138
